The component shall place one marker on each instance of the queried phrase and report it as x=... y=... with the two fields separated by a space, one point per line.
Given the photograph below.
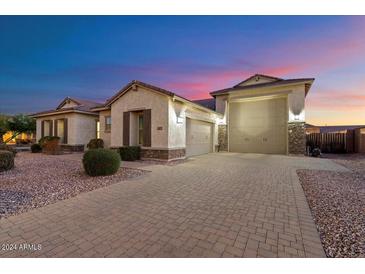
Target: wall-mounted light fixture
x=179 y=120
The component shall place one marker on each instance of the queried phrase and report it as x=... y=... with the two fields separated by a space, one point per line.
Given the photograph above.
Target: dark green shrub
x=316 y=152
x=95 y=143
x=101 y=162
x=6 y=160
x=8 y=148
x=131 y=153
x=36 y=148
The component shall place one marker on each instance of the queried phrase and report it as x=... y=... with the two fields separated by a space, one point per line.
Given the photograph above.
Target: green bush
x=101 y=162
x=36 y=148
x=131 y=153
x=8 y=148
x=6 y=160
x=95 y=143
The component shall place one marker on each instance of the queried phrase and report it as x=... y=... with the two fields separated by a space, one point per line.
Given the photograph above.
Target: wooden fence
x=330 y=142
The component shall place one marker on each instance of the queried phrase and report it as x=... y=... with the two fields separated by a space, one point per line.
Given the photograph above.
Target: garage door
x=199 y=137
x=258 y=126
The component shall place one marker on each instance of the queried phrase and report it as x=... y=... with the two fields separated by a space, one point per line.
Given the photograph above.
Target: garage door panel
x=199 y=137
x=258 y=126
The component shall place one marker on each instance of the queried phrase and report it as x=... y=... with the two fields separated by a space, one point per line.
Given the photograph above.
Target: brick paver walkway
x=216 y=205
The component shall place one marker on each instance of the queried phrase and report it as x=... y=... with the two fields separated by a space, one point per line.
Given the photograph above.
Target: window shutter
x=147 y=128
x=65 y=130
x=55 y=127
x=50 y=127
x=126 y=119
x=42 y=129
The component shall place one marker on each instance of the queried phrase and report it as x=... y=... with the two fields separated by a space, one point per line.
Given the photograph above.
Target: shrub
x=95 y=143
x=131 y=153
x=43 y=140
x=6 y=160
x=101 y=162
x=316 y=152
x=8 y=148
x=36 y=148
x=50 y=145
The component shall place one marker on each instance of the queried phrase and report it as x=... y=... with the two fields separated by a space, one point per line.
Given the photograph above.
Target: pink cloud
x=198 y=86
x=350 y=99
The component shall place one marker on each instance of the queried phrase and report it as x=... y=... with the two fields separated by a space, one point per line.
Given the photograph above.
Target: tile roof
x=149 y=86
x=84 y=106
x=208 y=103
x=268 y=84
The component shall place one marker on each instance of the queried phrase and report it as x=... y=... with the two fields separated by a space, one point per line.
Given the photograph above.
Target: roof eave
x=97 y=109
x=274 y=84
x=184 y=100
x=37 y=115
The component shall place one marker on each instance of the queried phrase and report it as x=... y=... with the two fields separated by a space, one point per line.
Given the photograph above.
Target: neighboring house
x=331 y=129
x=262 y=114
x=312 y=129
x=338 y=129
x=22 y=138
x=73 y=121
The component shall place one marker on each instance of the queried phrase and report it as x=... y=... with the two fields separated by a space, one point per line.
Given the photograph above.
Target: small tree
x=20 y=124
x=3 y=126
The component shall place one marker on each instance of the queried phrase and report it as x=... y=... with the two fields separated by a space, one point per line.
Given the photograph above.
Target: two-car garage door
x=199 y=137
x=258 y=126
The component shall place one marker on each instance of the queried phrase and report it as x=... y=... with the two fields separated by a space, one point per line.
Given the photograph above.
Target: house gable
x=68 y=103
x=257 y=79
x=134 y=86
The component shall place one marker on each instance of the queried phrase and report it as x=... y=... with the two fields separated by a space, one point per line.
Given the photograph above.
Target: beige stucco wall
x=105 y=135
x=81 y=127
x=294 y=93
x=220 y=103
x=139 y=100
x=177 y=131
x=84 y=128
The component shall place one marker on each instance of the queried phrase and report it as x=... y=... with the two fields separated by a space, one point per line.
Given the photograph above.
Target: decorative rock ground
x=38 y=180
x=337 y=202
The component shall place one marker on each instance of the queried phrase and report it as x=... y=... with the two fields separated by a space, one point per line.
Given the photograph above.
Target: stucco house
x=262 y=114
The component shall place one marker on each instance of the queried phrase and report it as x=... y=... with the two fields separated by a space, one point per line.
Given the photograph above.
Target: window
x=61 y=130
x=140 y=128
x=108 y=123
x=97 y=129
x=47 y=128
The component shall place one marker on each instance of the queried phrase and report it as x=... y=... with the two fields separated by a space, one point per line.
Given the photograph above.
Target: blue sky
x=46 y=58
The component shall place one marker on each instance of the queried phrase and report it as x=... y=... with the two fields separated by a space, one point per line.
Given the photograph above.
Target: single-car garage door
x=199 y=137
x=258 y=126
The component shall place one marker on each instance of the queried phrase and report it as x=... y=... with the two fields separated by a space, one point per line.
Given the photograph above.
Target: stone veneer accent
x=162 y=154
x=296 y=138
x=222 y=138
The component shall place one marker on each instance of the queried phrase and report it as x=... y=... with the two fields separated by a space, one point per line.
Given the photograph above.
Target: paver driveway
x=215 y=205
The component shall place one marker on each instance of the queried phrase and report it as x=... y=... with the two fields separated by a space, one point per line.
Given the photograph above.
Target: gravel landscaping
x=337 y=202
x=39 y=179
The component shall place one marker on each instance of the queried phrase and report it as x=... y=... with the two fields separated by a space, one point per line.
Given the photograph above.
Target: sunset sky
x=44 y=59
